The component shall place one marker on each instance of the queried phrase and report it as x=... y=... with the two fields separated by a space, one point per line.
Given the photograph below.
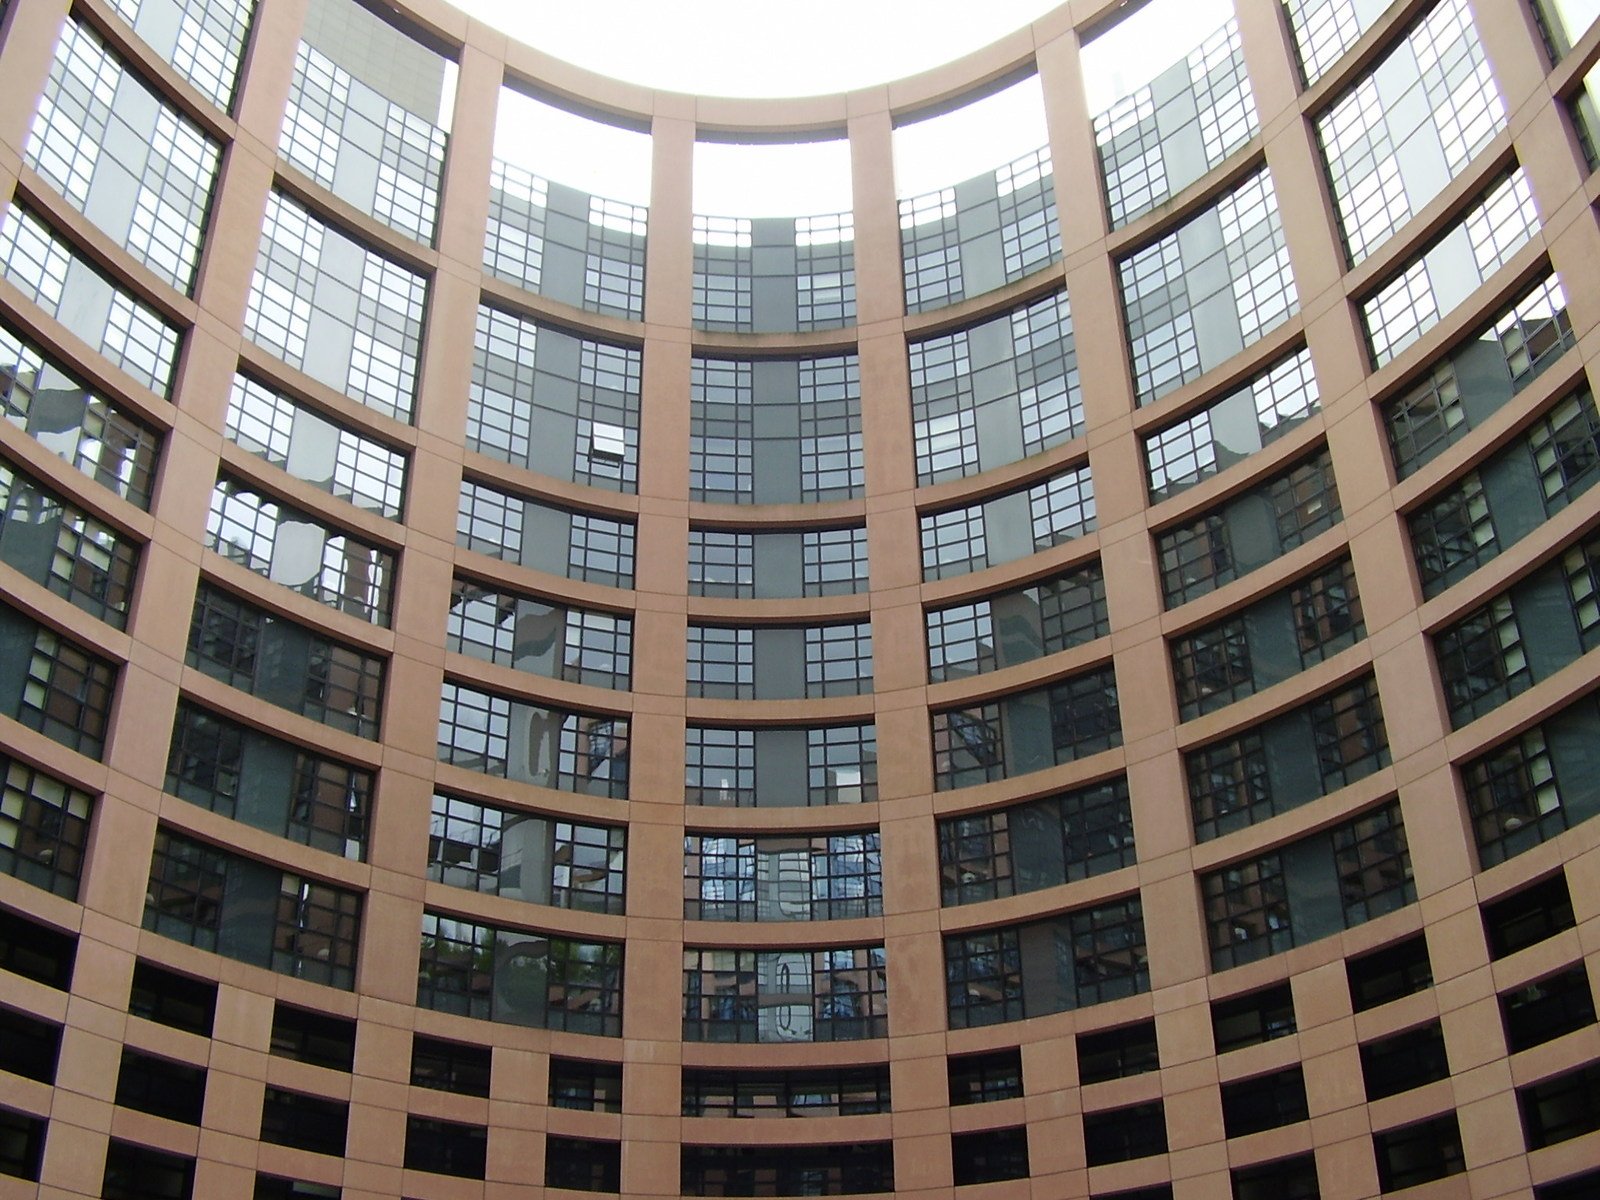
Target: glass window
x=780 y=767
x=821 y=877
x=368 y=114
x=989 y=1155
x=58 y=545
x=272 y=784
x=285 y=663
x=1564 y=23
x=513 y=738
x=524 y=856
x=983 y=1078
x=446 y=1147
x=1027 y=731
x=785 y=995
x=1403 y=131
x=251 y=911
x=447 y=1066
x=1404 y=1061
x=50 y=272
x=118 y=153
x=774 y=273
x=960 y=540
x=780 y=662
x=1325 y=29
x=787 y=1170
x=1419 y=1153
x=520 y=976
x=316 y=449
x=1547 y=1008
x=204 y=40
x=557 y=541
x=582 y=1164
x=1200 y=294
x=551 y=640
x=586 y=1086
x=1252 y=1018
x=837 y=1092
x=337 y=310
x=1124 y=1134
x=1430 y=286
x=293 y=548
x=1118 y=1053
x=555 y=403
x=55 y=685
x=1014 y=627
x=1178 y=124
x=1263 y=1102
x=44 y=827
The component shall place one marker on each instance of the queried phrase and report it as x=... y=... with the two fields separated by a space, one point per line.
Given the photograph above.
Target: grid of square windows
x=527 y=856
x=723 y=271
x=779 y=662
x=365 y=146
x=136 y=166
x=811 y=562
x=285 y=663
x=1403 y=131
x=825 y=271
x=1466 y=386
x=1023 y=363
x=1287 y=760
x=796 y=995
x=520 y=977
x=57 y=544
x=1027 y=731
x=555 y=403
x=95 y=435
x=517 y=739
x=1147 y=141
x=1430 y=286
x=818 y=877
x=281 y=543
x=264 y=781
x=558 y=541
x=563 y=243
x=1222 y=545
x=1038 y=844
x=1324 y=29
x=1200 y=294
x=780 y=767
x=203 y=39
x=335 y=309
x=316 y=449
x=1482 y=660
x=1068 y=961
x=252 y=911
x=994 y=531
x=64 y=689
x=1268 y=904
x=531 y=634
x=51 y=273
x=1231 y=429
x=44 y=828
x=980 y=234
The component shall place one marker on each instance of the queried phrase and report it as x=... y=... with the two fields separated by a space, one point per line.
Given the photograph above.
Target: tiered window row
x=1039 y=844
x=776 y=767
x=1287 y=760
x=44 y=828
x=340 y=312
x=362 y=111
x=841 y=1092
x=519 y=976
x=1169 y=133
x=54 y=685
x=558 y=541
x=787 y=1170
x=1200 y=294
x=774 y=274
x=1015 y=627
x=1309 y=889
x=1027 y=731
x=51 y=273
x=1397 y=138
x=285 y=663
x=272 y=784
x=820 y=877
x=785 y=995
x=134 y=165
x=1325 y=29
x=552 y=402
x=981 y=234
x=995 y=393
x=777 y=565
x=526 y=856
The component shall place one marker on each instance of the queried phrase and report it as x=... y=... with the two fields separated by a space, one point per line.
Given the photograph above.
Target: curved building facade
x=1075 y=683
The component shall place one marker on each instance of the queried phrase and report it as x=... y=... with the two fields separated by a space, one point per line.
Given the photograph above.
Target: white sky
x=725 y=47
